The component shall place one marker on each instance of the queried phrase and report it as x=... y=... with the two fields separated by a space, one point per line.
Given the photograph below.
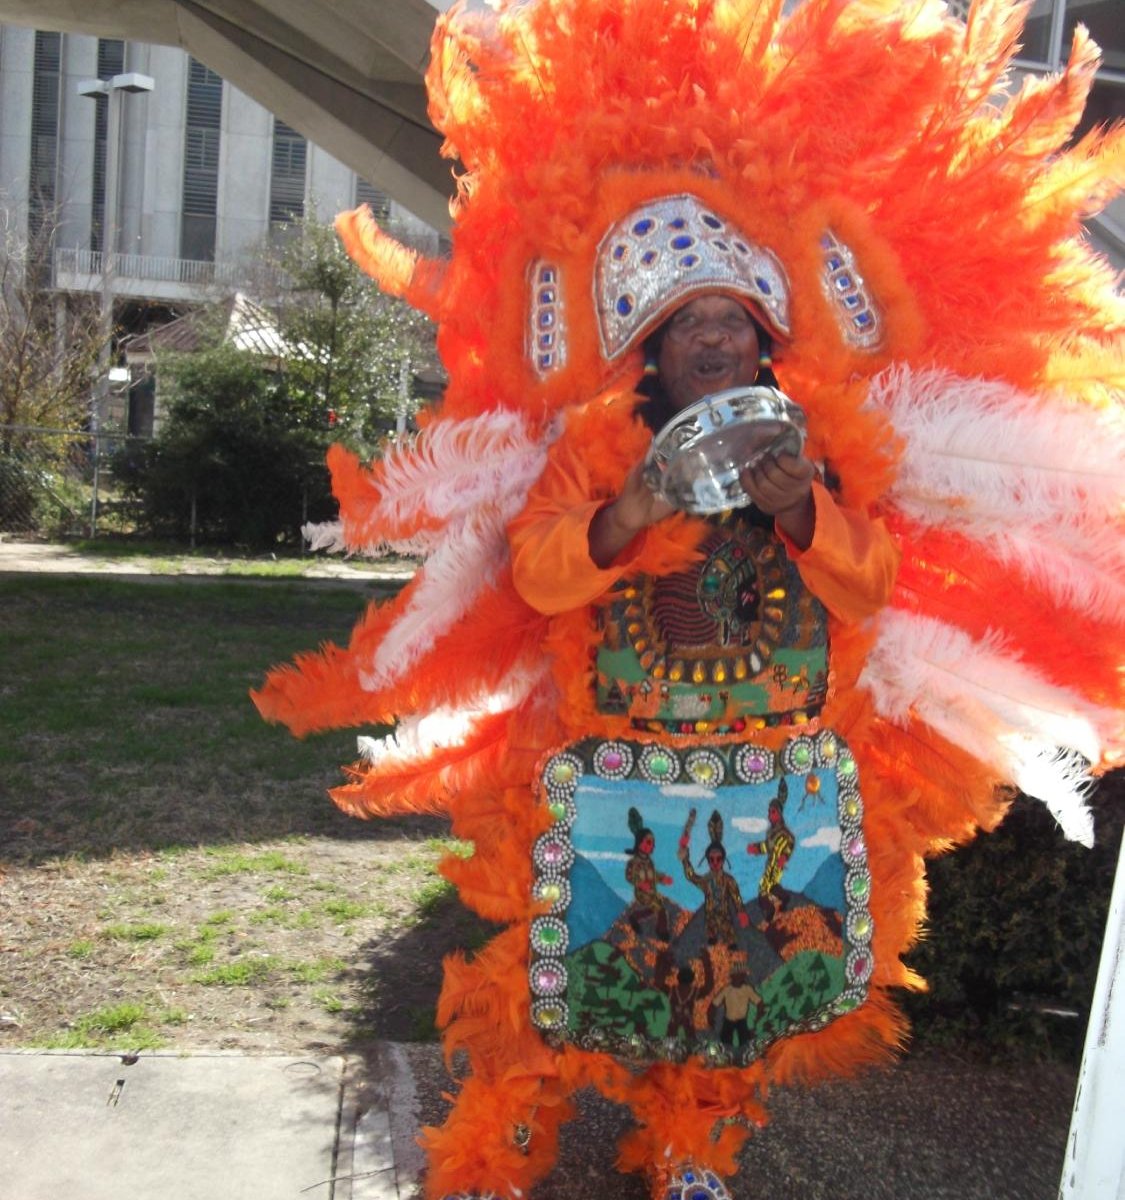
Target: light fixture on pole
x=113 y=89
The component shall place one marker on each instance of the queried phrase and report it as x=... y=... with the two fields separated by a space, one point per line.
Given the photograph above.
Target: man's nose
x=712 y=332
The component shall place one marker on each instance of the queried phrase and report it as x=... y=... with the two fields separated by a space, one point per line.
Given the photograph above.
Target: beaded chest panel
x=735 y=636
x=705 y=900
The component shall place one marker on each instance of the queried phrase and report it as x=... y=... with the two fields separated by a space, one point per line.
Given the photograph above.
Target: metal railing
x=146 y=267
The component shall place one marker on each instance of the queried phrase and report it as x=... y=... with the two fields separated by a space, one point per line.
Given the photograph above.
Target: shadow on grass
x=128 y=724
x=400 y=977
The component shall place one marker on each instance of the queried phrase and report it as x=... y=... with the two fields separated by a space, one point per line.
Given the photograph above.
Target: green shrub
x=231 y=464
x=1016 y=924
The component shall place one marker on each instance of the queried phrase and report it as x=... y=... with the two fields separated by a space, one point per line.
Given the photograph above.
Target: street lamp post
x=113 y=89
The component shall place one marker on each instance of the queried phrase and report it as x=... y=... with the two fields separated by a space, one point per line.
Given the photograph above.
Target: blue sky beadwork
x=651 y=957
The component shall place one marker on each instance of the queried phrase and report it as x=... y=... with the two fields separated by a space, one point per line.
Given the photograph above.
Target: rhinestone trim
x=857 y=314
x=546 y=346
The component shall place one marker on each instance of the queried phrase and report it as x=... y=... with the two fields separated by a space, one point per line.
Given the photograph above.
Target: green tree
x=352 y=349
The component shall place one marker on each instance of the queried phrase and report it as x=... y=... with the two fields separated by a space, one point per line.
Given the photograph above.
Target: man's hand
x=782 y=488
x=635 y=509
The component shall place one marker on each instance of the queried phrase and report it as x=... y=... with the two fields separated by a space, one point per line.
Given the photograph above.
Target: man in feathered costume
x=854 y=180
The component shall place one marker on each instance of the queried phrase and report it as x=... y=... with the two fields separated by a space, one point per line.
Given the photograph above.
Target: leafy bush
x=230 y=464
x=1016 y=924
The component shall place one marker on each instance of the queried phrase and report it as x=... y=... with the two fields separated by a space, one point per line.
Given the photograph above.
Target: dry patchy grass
x=171 y=871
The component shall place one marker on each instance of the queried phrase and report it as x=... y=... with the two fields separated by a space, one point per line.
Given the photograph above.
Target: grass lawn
x=171 y=870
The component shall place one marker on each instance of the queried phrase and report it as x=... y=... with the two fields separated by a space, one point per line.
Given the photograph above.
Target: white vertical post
x=403 y=398
x=1095 y=1153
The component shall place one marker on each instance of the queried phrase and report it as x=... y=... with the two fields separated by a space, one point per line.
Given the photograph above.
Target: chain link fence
x=64 y=484
x=58 y=482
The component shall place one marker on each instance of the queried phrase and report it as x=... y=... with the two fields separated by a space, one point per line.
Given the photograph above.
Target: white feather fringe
x=993 y=706
x=1037 y=481
x=476 y=475
x=466 y=561
x=450 y=470
x=328 y=535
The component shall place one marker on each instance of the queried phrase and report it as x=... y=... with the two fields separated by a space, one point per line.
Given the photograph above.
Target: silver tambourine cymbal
x=695 y=461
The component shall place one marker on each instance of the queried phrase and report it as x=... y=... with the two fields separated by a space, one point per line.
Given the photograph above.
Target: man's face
x=715 y=859
x=709 y=344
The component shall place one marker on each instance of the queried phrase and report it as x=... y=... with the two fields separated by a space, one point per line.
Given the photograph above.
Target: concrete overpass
x=345 y=73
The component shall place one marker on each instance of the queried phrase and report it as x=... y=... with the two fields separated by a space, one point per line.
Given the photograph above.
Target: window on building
x=199 y=219
x=1046 y=45
x=379 y=202
x=287 y=176
x=111 y=61
x=42 y=192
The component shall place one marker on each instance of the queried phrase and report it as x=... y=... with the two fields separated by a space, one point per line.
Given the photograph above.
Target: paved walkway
x=59 y=559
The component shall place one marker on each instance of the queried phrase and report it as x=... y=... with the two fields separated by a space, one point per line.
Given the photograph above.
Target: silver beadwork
x=668 y=250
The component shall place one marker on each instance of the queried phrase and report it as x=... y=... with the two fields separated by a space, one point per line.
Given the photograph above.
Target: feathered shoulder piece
x=906 y=217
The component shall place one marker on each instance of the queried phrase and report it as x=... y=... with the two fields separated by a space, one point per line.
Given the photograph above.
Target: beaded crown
x=667 y=250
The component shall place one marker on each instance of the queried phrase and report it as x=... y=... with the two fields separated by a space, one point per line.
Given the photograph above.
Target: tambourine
x=695 y=461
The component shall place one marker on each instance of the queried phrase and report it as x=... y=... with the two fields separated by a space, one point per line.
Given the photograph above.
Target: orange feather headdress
x=909 y=226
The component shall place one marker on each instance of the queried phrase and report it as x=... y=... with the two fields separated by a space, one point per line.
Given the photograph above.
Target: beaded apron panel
x=733 y=637
x=702 y=900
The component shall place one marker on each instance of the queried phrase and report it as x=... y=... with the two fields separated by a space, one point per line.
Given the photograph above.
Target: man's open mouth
x=709 y=368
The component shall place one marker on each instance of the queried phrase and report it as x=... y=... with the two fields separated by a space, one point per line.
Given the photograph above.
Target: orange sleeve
x=551 y=565
x=851 y=562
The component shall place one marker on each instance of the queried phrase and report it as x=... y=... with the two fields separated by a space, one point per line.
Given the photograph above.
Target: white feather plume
x=468 y=553
x=449 y=471
x=328 y=535
x=466 y=561
x=418 y=737
x=452 y=467
x=1039 y=482
x=985 y=700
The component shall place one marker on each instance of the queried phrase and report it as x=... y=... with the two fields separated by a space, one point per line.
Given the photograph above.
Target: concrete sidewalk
x=161 y=1126
x=104 y=1126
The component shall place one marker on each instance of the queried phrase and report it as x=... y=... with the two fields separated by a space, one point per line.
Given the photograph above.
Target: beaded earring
x=651 y=368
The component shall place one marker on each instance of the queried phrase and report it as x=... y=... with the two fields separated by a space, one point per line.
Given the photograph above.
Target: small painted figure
x=722 y=900
x=777 y=846
x=641 y=873
x=735 y=1000
x=685 y=994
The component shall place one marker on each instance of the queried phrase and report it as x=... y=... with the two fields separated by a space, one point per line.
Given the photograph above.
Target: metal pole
x=109 y=265
x=1095 y=1153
